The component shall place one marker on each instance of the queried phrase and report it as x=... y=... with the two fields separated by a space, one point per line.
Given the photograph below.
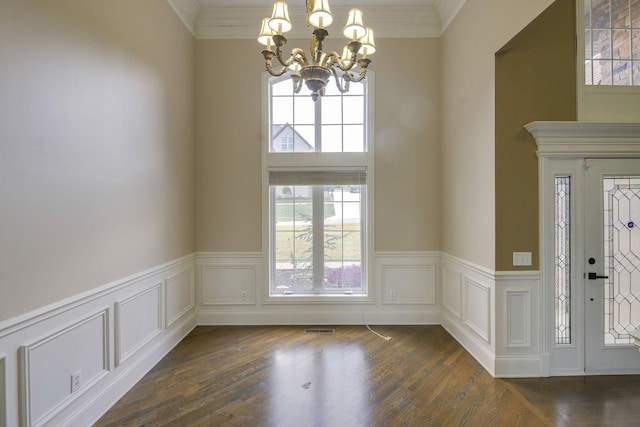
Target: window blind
x=317 y=177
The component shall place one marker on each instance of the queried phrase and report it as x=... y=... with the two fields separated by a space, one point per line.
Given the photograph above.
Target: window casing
x=317 y=194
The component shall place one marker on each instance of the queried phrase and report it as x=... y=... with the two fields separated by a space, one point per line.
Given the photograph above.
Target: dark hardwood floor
x=280 y=376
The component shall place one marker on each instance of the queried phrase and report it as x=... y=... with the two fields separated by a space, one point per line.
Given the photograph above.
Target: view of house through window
x=612 y=42
x=317 y=202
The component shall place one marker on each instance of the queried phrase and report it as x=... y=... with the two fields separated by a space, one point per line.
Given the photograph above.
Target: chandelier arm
x=364 y=63
x=360 y=76
x=345 y=78
x=297 y=55
x=334 y=58
x=276 y=73
x=268 y=57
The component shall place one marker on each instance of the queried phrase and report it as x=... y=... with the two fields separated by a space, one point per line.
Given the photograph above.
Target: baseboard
x=472 y=343
x=310 y=315
x=517 y=367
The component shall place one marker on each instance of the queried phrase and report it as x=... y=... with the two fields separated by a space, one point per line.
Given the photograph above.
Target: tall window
x=317 y=190
x=612 y=42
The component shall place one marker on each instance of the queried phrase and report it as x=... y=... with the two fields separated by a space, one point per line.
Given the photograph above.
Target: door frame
x=562 y=148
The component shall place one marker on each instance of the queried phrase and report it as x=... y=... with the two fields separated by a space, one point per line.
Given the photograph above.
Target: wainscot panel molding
x=81 y=349
x=452 y=291
x=468 y=311
x=477 y=308
x=232 y=289
x=407 y=278
x=138 y=321
x=107 y=338
x=518 y=320
x=180 y=292
x=228 y=278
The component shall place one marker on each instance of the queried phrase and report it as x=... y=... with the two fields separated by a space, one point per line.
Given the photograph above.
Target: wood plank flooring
x=280 y=376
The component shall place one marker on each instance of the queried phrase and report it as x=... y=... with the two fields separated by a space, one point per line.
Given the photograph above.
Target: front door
x=612 y=264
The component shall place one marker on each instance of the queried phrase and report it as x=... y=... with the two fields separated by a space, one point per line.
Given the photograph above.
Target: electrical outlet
x=244 y=295
x=75 y=381
x=392 y=295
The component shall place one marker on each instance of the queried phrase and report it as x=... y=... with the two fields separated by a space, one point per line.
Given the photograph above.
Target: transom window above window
x=334 y=123
x=612 y=42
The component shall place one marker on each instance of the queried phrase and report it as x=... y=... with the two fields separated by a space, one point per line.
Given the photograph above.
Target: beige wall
x=228 y=151
x=468 y=115
x=535 y=80
x=228 y=135
x=96 y=145
x=407 y=120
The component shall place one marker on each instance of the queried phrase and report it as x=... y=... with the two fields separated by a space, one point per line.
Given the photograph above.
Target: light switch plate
x=522 y=258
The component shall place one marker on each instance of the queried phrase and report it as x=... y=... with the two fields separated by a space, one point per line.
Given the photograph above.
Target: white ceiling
x=240 y=19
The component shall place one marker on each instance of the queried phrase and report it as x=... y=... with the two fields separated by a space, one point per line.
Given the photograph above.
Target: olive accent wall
x=535 y=80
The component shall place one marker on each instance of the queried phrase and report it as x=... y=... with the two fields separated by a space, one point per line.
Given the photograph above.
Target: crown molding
x=188 y=12
x=388 y=22
x=447 y=10
x=243 y=22
x=586 y=139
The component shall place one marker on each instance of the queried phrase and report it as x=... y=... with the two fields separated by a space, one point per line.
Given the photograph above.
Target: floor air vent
x=320 y=331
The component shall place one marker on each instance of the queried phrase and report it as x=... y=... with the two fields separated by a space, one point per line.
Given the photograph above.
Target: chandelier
x=316 y=69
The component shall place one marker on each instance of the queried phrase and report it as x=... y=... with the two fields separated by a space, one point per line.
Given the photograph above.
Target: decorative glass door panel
x=621 y=258
x=612 y=264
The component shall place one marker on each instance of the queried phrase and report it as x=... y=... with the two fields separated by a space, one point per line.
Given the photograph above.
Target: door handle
x=594 y=276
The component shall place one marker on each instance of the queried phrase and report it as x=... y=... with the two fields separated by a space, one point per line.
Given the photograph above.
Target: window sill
x=320 y=299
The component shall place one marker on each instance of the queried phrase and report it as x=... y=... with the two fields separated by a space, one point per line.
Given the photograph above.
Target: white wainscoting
x=468 y=308
x=138 y=321
x=495 y=316
x=232 y=289
x=518 y=324
x=109 y=338
x=477 y=308
x=407 y=278
x=179 y=297
x=229 y=278
x=113 y=335
x=452 y=290
x=47 y=365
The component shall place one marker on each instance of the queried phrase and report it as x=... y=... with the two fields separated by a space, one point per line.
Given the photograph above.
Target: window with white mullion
x=318 y=244
x=317 y=221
